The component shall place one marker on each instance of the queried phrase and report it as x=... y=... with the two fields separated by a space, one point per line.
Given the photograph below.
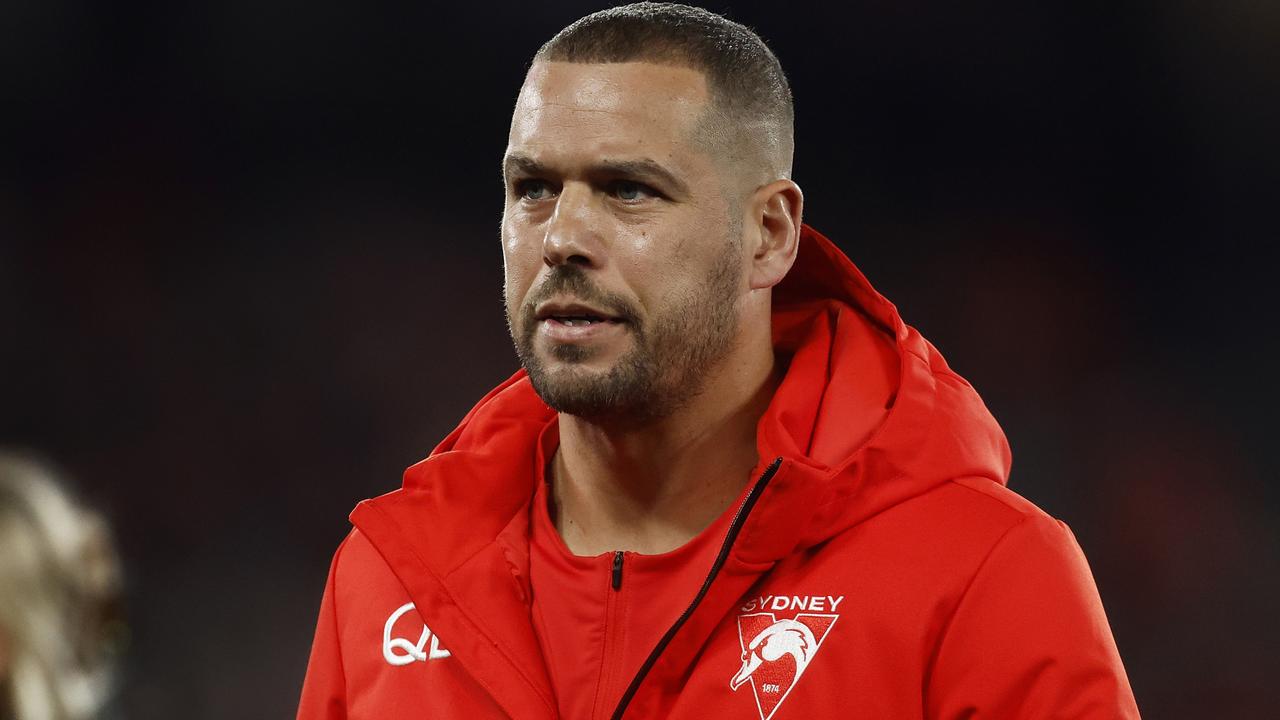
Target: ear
x=773 y=225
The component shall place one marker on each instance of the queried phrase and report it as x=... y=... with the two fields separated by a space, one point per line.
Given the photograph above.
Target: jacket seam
x=992 y=498
x=946 y=628
x=921 y=358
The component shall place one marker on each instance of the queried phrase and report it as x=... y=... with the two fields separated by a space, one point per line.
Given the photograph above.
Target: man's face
x=620 y=242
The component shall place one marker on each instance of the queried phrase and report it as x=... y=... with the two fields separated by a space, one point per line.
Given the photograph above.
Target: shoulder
x=1008 y=542
x=1026 y=632
x=984 y=490
x=361 y=576
x=973 y=512
x=1005 y=519
x=1019 y=520
x=936 y=544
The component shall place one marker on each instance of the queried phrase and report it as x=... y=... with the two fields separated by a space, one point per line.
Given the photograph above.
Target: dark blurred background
x=249 y=271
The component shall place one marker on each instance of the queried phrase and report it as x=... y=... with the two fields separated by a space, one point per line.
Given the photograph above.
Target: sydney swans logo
x=409 y=651
x=776 y=652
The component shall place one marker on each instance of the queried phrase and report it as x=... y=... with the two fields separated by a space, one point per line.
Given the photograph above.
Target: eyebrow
x=640 y=168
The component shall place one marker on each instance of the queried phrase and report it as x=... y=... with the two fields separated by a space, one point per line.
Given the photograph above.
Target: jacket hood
x=867 y=416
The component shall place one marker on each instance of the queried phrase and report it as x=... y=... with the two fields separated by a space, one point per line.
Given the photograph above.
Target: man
x=729 y=480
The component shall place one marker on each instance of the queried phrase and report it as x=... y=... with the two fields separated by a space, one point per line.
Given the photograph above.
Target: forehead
x=608 y=109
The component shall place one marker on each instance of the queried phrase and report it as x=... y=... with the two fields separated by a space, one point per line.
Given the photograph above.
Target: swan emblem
x=784 y=637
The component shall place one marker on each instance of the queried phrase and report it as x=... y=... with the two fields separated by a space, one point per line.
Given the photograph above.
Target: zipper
x=614 y=612
x=739 y=519
x=616 y=580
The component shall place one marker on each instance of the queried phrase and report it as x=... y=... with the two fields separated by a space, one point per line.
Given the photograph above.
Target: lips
x=576 y=321
x=574 y=314
x=565 y=321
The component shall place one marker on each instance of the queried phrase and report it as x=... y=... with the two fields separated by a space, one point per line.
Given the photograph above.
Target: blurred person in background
x=60 y=586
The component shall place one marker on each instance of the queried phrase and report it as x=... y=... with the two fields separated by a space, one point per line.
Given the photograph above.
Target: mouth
x=566 y=322
x=572 y=314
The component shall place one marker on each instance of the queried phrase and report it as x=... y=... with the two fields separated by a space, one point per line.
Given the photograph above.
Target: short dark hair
x=743 y=75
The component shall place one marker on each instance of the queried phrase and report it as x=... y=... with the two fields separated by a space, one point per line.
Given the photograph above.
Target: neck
x=652 y=488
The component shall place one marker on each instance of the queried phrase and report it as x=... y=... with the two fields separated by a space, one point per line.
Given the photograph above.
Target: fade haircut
x=751 y=100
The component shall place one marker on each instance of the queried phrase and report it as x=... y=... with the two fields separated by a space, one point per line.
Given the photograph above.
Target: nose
x=573 y=234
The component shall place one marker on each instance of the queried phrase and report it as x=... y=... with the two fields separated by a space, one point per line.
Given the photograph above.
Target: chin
x=576 y=389
x=563 y=378
x=566 y=355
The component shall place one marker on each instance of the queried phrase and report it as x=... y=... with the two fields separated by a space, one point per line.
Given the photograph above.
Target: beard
x=671 y=355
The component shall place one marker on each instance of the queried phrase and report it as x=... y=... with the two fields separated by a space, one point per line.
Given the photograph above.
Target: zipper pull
x=617 y=570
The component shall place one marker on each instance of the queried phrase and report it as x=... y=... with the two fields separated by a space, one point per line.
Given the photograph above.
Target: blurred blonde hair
x=59 y=588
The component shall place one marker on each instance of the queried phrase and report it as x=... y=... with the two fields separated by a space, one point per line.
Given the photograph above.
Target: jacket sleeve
x=324 y=691
x=1029 y=638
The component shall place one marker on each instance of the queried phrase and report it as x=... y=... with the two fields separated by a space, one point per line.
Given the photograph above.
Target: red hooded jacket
x=877 y=567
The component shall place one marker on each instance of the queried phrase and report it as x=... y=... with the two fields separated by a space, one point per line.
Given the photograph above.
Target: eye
x=533 y=190
x=631 y=192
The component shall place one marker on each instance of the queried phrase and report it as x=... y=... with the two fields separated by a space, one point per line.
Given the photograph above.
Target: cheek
x=662 y=267
x=635 y=260
x=521 y=260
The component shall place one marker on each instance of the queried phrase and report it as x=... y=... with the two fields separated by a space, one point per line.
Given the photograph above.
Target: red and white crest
x=775 y=653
